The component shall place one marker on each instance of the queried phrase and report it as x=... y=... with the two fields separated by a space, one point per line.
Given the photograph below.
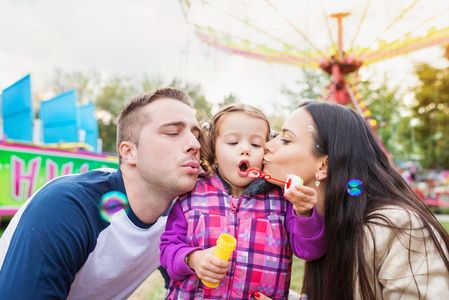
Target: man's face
x=168 y=153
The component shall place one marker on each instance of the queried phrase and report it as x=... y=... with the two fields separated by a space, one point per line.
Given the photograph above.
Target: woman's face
x=291 y=151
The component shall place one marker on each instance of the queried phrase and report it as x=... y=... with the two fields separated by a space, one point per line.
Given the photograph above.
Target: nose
x=268 y=146
x=193 y=144
x=244 y=150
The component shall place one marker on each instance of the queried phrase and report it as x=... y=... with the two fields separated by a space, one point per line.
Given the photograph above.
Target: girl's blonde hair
x=211 y=131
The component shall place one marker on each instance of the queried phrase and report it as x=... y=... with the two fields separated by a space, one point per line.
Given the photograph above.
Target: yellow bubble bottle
x=225 y=245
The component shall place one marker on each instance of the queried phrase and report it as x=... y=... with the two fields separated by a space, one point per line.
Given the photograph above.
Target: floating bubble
x=310 y=128
x=111 y=203
x=354 y=187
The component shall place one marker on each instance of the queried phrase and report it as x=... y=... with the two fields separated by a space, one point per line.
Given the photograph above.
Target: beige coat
x=390 y=260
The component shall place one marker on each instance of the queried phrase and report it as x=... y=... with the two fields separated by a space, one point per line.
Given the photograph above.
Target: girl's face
x=290 y=152
x=238 y=147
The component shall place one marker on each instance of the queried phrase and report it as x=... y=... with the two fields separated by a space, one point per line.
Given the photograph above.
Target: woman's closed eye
x=285 y=141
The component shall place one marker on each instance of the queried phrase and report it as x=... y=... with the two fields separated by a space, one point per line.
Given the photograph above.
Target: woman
x=383 y=243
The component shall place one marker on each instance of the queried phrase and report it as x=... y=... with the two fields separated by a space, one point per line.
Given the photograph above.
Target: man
x=57 y=246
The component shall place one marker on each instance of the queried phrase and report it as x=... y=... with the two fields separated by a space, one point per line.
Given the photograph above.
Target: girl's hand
x=303 y=199
x=260 y=296
x=207 y=266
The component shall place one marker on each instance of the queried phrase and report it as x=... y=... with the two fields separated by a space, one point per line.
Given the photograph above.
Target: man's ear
x=127 y=152
x=322 y=168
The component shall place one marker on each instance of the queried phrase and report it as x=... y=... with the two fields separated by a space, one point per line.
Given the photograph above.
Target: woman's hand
x=207 y=266
x=303 y=199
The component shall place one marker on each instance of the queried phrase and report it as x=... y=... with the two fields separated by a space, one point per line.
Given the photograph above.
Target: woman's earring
x=317 y=181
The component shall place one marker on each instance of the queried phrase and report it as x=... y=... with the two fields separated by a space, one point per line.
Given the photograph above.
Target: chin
x=191 y=185
x=184 y=186
x=188 y=184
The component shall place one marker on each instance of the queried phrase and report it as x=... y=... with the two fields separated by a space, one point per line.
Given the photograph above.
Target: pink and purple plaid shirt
x=266 y=229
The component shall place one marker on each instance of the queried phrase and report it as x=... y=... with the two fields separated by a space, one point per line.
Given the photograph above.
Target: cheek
x=258 y=157
x=307 y=169
x=220 y=155
x=291 y=162
x=284 y=157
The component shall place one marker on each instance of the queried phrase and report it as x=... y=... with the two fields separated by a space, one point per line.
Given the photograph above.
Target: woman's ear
x=322 y=168
x=127 y=152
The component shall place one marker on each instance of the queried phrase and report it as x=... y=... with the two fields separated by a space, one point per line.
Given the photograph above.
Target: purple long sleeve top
x=267 y=232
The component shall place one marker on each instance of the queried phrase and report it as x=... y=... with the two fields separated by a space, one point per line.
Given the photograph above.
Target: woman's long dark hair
x=355 y=153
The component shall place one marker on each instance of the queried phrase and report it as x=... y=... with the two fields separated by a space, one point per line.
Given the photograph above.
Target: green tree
x=392 y=115
x=110 y=94
x=309 y=88
x=87 y=85
x=201 y=105
x=229 y=99
x=432 y=113
x=115 y=92
x=386 y=106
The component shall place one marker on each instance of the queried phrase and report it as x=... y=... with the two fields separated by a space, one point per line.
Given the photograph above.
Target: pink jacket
x=266 y=229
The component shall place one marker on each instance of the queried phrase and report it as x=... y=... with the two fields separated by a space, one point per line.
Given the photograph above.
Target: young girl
x=266 y=226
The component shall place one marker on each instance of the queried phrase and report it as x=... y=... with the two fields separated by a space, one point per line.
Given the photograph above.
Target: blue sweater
x=58 y=246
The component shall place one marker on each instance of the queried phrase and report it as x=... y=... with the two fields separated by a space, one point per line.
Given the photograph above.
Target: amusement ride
x=338 y=37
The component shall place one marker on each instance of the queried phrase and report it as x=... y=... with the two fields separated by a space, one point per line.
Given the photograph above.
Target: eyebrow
x=288 y=130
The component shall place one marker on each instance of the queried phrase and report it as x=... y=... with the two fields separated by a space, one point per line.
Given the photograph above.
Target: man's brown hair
x=132 y=119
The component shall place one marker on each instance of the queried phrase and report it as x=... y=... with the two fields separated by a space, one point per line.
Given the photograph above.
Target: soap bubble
x=354 y=187
x=111 y=203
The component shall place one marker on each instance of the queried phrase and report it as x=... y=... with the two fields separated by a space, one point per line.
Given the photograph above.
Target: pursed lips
x=243 y=167
x=192 y=167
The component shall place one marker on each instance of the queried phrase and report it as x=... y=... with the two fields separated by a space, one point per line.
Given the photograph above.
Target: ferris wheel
x=336 y=36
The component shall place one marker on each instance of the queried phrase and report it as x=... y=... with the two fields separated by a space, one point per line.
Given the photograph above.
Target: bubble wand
x=257 y=173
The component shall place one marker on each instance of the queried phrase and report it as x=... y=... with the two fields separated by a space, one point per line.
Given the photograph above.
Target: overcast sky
x=132 y=37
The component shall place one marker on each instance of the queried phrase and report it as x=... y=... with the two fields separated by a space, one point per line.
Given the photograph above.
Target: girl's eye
x=172 y=133
x=232 y=143
x=256 y=145
x=285 y=141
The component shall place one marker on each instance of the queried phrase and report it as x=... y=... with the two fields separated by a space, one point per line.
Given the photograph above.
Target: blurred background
x=388 y=60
